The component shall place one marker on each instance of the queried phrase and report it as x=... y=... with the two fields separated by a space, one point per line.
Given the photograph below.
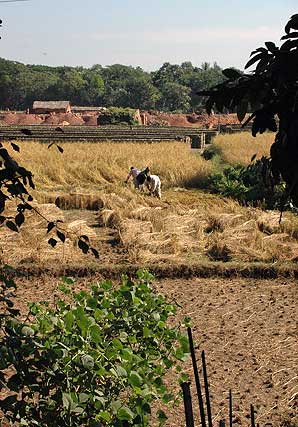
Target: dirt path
x=248 y=329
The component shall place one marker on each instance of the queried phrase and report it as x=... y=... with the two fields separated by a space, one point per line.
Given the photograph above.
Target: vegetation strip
x=227 y=270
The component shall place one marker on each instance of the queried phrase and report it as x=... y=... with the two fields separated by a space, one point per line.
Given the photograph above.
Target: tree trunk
x=284 y=153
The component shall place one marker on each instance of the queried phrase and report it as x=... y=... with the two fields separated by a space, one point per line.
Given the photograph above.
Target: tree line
x=171 y=88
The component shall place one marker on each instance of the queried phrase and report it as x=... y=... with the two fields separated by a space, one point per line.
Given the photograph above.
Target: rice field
x=89 y=165
x=188 y=225
x=239 y=148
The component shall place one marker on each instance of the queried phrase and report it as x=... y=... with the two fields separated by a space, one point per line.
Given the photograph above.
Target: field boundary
x=210 y=270
x=116 y=133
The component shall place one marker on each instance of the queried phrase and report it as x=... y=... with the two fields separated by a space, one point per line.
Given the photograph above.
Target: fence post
x=208 y=404
x=230 y=408
x=197 y=378
x=187 y=405
x=252 y=416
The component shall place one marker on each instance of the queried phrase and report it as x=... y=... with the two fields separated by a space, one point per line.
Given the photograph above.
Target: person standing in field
x=153 y=184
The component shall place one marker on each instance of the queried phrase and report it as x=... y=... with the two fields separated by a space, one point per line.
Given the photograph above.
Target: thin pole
x=208 y=404
x=197 y=378
x=231 y=408
x=187 y=405
x=252 y=416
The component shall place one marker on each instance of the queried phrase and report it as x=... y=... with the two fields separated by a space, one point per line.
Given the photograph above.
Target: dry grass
x=240 y=147
x=192 y=227
x=98 y=165
x=186 y=226
x=30 y=246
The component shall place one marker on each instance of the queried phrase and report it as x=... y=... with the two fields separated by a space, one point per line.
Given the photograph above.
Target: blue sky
x=145 y=33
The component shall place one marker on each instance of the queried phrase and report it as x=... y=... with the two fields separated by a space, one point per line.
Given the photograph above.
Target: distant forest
x=171 y=88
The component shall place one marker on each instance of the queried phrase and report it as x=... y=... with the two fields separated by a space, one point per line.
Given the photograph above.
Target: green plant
x=115 y=115
x=270 y=93
x=96 y=359
x=253 y=184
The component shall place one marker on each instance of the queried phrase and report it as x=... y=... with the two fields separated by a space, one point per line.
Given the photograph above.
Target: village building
x=48 y=107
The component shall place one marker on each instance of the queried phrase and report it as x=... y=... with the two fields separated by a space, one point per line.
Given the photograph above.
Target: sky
x=140 y=33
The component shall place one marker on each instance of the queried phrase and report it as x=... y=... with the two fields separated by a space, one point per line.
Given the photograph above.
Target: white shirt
x=154 y=183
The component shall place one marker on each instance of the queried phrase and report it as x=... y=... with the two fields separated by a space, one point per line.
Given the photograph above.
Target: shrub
x=211 y=152
x=117 y=116
x=253 y=184
x=97 y=359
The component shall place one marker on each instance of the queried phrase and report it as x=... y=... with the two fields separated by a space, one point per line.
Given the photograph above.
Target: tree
x=202 y=79
x=271 y=93
x=68 y=87
x=174 y=96
x=141 y=93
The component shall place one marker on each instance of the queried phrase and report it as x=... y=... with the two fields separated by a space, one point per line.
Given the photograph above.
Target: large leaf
x=12 y=226
x=242 y=110
x=292 y=24
x=125 y=413
x=288 y=45
x=135 y=379
x=261 y=67
x=19 y=219
x=231 y=73
x=255 y=59
x=292 y=35
x=83 y=246
x=260 y=49
x=271 y=47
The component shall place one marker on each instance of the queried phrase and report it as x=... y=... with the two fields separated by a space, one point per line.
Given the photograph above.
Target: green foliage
x=7 y=288
x=253 y=185
x=179 y=84
x=15 y=184
x=175 y=97
x=114 y=116
x=96 y=359
x=173 y=87
x=270 y=92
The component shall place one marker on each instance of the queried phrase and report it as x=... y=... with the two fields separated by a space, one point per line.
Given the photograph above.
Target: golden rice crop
x=92 y=165
x=239 y=148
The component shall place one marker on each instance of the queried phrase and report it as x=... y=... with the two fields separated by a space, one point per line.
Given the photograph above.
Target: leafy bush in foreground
x=97 y=359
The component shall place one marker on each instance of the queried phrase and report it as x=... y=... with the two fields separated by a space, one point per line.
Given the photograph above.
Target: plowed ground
x=248 y=329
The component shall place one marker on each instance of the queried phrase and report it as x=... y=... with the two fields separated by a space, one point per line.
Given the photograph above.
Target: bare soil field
x=248 y=329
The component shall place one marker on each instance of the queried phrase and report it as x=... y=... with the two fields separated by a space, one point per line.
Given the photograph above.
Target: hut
x=48 y=107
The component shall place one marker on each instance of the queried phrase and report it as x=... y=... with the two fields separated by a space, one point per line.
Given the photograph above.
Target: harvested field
x=186 y=227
